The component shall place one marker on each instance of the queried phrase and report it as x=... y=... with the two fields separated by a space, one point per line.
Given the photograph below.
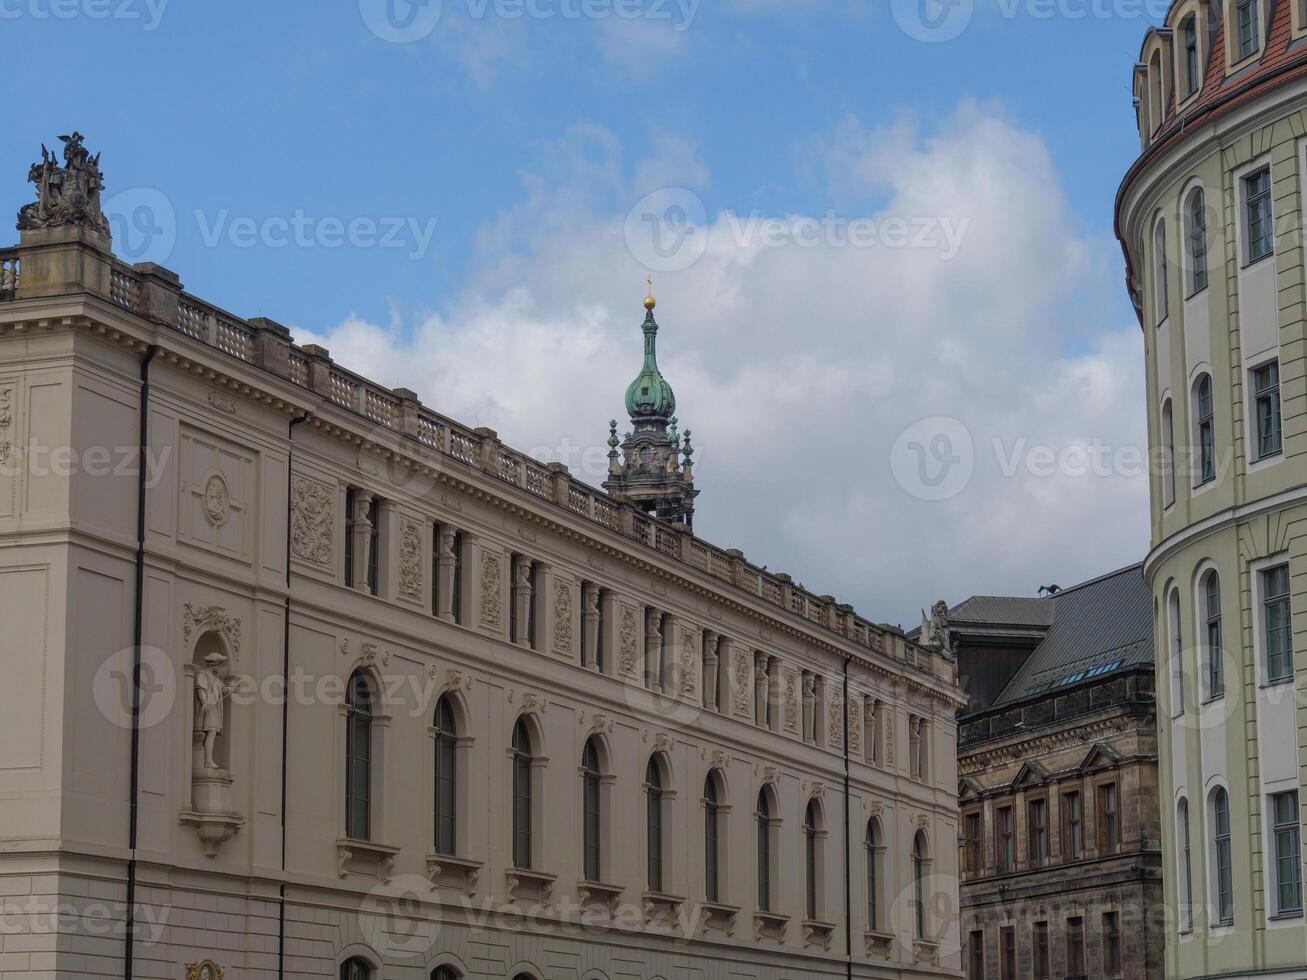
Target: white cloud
x=797 y=368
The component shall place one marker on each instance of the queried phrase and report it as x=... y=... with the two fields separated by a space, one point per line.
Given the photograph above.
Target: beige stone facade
x=406 y=636
x=1211 y=218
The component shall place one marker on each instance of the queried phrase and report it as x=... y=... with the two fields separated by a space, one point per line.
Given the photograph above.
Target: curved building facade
x=1210 y=218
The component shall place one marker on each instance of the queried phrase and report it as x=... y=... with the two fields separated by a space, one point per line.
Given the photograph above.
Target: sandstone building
x=1210 y=217
x=1057 y=761
x=334 y=685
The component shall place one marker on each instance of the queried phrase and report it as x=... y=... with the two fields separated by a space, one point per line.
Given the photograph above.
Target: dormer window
x=1192 y=74
x=1246 y=28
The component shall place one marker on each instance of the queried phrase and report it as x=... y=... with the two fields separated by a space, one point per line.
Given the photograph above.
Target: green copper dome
x=650 y=394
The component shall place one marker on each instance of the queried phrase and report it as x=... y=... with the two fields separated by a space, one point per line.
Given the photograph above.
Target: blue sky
x=519 y=145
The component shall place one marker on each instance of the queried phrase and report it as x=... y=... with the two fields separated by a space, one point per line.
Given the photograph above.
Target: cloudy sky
x=880 y=235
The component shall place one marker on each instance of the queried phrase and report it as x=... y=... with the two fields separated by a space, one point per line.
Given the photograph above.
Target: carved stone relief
x=6 y=423
x=564 y=631
x=855 y=725
x=201 y=619
x=792 y=702
x=836 y=720
x=312 y=521
x=410 y=561
x=743 y=682
x=630 y=652
x=492 y=592
x=689 y=667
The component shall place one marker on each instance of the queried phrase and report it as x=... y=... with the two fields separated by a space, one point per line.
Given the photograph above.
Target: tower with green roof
x=654 y=468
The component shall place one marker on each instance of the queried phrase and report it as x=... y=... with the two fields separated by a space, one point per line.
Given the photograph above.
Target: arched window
x=920 y=866
x=1205 y=432
x=523 y=761
x=1196 y=218
x=653 y=787
x=1176 y=651
x=1186 y=867
x=355 y=969
x=1160 y=272
x=358 y=757
x=592 y=811
x=1211 y=593
x=810 y=859
x=1222 y=874
x=444 y=973
x=1168 y=456
x=764 y=821
x=446 y=778
x=873 y=874
x=712 y=804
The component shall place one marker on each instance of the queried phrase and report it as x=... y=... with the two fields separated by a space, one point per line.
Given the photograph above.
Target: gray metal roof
x=1104 y=624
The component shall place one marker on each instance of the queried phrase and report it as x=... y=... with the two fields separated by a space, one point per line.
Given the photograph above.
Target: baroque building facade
x=1057 y=762
x=305 y=679
x=1210 y=218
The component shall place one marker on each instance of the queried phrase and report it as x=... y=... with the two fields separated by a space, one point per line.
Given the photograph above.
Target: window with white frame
x=1196 y=217
x=1211 y=599
x=1168 y=455
x=1288 y=857
x=1192 y=70
x=1222 y=871
x=1266 y=396
x=1186 y=867
x=1277 y=623
x=1160 y=272
x=1246 y=28
x=1176 y=650
x=1205 y=432
x=1259 y=222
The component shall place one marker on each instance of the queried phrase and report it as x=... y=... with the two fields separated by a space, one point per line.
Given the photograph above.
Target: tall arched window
x=1168 y=455
x=444 y=973
x=1186 y=867
x=653 y=780
x=355 y=969
x=873 y=874
x=1204 y=432
x=592 y=812
x=1176 y=651
x=1222 y=873
x=764 y=821
x=1160 y=271
x=523 y=761
x=920 y=863
x=712 y=805
x=446 y=738
x=358 y=757
x=810 y=859
x=1211 y=593
x=1196 y=221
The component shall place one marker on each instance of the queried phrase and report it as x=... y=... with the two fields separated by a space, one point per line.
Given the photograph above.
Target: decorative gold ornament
x=204 y=970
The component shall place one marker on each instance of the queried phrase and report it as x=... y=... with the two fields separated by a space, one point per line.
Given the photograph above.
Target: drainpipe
x=138 y=627
x=285 y=703
x=848 y=855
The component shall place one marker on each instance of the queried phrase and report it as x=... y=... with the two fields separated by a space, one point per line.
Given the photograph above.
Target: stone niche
x=210 y=682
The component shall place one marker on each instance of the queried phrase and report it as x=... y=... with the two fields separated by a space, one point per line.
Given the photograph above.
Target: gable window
x=1288 y=853
x=523 y=761
x=653 y=780
x=1197 y=241
x=1206 y=431
x=358 y=758
x=1258 y=222
x=1192 y=74
x=1037 y=831
x=1109 y=819
x=1215 y=653
x=1073 y=834
x=1246 y=28
x=591 y=812
x=1277 y=622
x=1266 y=391
x=1224 y=890
x=1004 y=847
x=1186 y=867
x=446 y=738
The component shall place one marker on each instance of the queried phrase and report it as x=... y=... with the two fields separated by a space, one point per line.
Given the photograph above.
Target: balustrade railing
x=10 y=266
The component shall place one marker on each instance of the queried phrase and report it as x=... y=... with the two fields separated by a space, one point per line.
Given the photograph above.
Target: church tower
x=655 y=469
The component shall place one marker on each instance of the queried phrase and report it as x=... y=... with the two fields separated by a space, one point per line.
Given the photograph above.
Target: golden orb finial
x=649 y=301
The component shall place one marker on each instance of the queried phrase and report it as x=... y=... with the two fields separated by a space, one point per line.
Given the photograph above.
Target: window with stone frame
x=1075 y=947
x=976 y=955
x=1007 y=962
x=1112 y=959
x=1005 y=855
x=1073 y=826
x=973 y=845
x=1109 y=818
x=1037 y=831
x=1040 y=958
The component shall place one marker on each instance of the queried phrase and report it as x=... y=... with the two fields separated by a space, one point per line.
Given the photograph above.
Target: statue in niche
x=212 y=689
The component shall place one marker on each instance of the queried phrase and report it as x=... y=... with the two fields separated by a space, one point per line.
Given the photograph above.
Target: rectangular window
x=1073 y=835
x=1245 y=15
x=1206 y=433
x=1004 y=850
x=1109 y=819
x=976 y=954
x=1277 y=623
x=1288 y=854
x=1040 y=964
x=1224 y=871
x=456 y=600
x=1191 y=57
x=1266 y=392
x=1075 y=947
x=374 y=543
x=972 y=860
x=1197 y=242
x=1215 y=654
x=1037 y=831
x=1008 y=960
x=1258 y=222
x=351 y=502
x=1112 y=942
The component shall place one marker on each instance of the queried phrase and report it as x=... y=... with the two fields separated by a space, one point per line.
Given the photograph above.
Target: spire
x=650 y=471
